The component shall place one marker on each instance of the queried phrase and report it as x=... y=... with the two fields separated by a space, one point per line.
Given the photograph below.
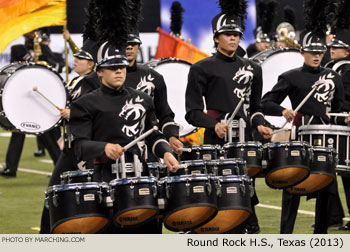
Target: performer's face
x=262 y=46
x=339 y=53
x=228 y=42
x=312 y=59
x=113 y=77
x=82 y=66
x=131 y=51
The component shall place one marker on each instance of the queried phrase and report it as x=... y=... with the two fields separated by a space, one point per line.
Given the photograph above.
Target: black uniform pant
x=16 y=143
x=346 y=185
x=65 y=162
x=290 y=205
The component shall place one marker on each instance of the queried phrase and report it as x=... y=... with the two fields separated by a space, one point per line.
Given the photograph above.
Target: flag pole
x=66 y=54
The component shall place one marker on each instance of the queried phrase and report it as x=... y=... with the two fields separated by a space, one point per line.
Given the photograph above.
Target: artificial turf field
x=22 y=198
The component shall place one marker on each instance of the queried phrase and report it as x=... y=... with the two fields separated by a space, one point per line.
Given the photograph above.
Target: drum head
x=26 y=109
x=175 y=74
x=274 y=63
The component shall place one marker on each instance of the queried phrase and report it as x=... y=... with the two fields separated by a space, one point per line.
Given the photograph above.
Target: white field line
x=8 y=134
x=259 y=205
x=46 y=161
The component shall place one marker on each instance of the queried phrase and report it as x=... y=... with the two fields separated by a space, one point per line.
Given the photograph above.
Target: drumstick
x=338 y=114
x=35 y=88
x=184 y=149
x=143 y=136
x=181 y=166
x=235 y=111
x=296 y=110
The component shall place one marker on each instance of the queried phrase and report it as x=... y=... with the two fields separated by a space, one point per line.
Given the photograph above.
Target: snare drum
x=191 y=201
x=251 y=152
x=25 y=110
x=322 y=166
x=334 y=136
x=77 y=208
x=134 y=200
x=234 y=204
x=201 y=152
x=288 y=163
x=227 y=167
x=78 y=176
x=191 y=167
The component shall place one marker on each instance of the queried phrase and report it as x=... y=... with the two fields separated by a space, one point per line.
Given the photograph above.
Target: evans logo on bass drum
x=30 y=125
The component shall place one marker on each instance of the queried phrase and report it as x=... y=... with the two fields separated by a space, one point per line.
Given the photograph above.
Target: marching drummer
x=328 y=96
x=223 y=80
x=152 y=83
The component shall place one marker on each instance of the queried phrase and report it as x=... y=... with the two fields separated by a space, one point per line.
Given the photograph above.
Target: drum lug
x=47 y=202
x=269 y=152
x=167 y=190
x=100 y=198
x=330 y=156
x=77 y=196
x=286 y=152
x=311 y=154
x=237 y=169
x=303 y=152
x=155 y=190
x=209 y=189
x=187 y=188
x=111 y=193
x=251 y=189
x=218 y=189
x=242 y=187
x=198 y=154
x=242 y=152
x=132 y=187
x=55 y=199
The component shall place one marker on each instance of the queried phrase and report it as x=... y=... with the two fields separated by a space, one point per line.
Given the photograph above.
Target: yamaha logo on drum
x=30 y=125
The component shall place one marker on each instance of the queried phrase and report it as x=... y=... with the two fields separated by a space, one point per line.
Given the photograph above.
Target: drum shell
x=251 y=152
x=180 y=196
x=157 y=170
x=285 y=155
x=227 y=167
x=67 y=207
x=322 y=168
x=142 y=193
x=77 y=176
x=201 y=152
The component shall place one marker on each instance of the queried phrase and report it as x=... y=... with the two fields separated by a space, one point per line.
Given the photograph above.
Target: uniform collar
x=132 y=68
x=310 y=69
x=346 y=58
x=224 y=57
x=111 y=91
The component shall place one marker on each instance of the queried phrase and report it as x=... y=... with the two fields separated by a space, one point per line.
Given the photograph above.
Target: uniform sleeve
x=346 y=85
x=272 y=99
x=196 y=87
x=338 y=99
x=80 y=125
x=256 y=111
x=163 y=111
x=156 y=141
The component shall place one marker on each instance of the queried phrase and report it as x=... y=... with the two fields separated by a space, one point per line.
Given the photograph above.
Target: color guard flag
x=18 y=17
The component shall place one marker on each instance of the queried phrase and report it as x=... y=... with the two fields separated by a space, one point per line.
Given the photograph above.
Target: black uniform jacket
x=222 y=81
x=81 y=85
x=152 y=83
x=297 y=83
x=110 y=116
x=342 y=67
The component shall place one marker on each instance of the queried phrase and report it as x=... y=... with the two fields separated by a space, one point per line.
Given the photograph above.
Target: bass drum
x=175 y=72
x=273 y=63
x=25 y=110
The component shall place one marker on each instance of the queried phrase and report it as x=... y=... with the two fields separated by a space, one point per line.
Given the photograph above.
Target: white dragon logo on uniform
x=132 y=112
x=245 y=75
x=325 y=87
x=146 y=84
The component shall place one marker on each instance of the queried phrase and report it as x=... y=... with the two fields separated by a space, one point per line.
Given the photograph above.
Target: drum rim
x=322 y=127
x=226 y=161
x=248 y=143
x=155 y=62
x=290 y=143
x=197 y=162
x=205 y=147
x=74 y=186
x=232 y=178
x=326 y=149
x=77 y=173
x=134 y=180
x=271 y=51
x=189 y=177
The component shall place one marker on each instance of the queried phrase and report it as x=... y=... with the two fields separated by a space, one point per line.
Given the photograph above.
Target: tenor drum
x=134 y=200
x=175 y=74
x=251 y=152
x=322 y=172
x=77 y=208
x=157 y=169
x=234 y=204
x=333 y=136
x=191 y=167
x=288 y=163
x=273 y=63
x=227 y=167
x=78 y=176
x=191 y=201
x=201 y=152
x=25 y=110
